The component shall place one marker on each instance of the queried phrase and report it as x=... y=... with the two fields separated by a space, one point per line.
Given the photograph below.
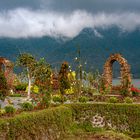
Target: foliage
x=124 y=91
x=2 y=112
x=83 y=99
x=35 y=89
x=43 y=74
x=15 y=95
x=119 y=117
x=113 y=100
x=63 y=79
x=125 y=87
x=27 y=106
x=128 y=100
x=94 y=79
x=110 y=135
x=41 y=100
x=21 y=86
x=28 y=62
x=135 y=91
x=103 y=88
x=37 y=71
x=58 y=99
x=45 y=99
x=3 y=86
x=69 y=91
x=10 y=109
x=37 y=124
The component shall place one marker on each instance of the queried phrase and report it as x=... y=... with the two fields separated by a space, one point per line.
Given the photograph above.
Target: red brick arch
x=124 y=71
x=8 y=70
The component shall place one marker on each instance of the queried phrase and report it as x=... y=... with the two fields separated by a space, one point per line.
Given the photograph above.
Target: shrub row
x=45 y=124
x=121 y=117
x=53 y=123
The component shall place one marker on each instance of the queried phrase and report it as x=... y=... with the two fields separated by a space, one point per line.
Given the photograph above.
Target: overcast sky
x=71 y=5
x=25 y=18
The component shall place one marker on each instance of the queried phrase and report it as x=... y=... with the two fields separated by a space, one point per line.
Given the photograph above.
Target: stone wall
x=124 y=71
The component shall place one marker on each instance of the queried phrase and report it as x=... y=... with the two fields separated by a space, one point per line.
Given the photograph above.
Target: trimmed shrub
x=58 y=99
x=2 y=112
x=21 y=87
x=15 y=95
x=10 y=109
x=113 y=100
x=49 y=123
x=83 y=99
x=128 y=100
x=121 y=117
x=27 y=106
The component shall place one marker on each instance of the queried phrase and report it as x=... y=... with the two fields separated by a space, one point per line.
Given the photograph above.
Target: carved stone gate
x=124 y=71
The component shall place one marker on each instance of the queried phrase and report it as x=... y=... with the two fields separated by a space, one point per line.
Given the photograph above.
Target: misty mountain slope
x=95 y=44
x=95 y=50
x=39 y=47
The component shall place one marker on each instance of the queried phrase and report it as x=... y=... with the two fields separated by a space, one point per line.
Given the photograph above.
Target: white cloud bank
x=28 y=23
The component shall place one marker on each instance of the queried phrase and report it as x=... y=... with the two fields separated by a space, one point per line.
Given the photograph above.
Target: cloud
x=24 y=23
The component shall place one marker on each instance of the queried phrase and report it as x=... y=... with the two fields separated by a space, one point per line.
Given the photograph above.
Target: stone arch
x=8 y=71
x=124 y=72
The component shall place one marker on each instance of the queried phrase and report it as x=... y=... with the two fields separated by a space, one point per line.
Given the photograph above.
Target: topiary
x=10 y=109
x=83 y=99
x=21 y=86
x=15 y=95
x=113 y=100
x=58 y=99
x=128 y=100
x=27 y=106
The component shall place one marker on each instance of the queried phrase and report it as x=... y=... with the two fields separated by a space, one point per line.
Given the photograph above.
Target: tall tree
x=63 y=79
x=42 y=74
x=28 y=63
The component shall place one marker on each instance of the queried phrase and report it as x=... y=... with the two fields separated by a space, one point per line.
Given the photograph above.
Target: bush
x=45 y=99
x=58 y=99
x=117 y=114
x=83 y=99
x=21 y=87
x=10 y=109
x=113 y=100
x=3 y=86
x=15 y=95
x=27 y=106
x=2 y=112
x=128 y=100
x=31 y=126
x=135 y=91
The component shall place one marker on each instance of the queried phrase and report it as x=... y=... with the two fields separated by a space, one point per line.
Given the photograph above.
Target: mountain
x=95 y=45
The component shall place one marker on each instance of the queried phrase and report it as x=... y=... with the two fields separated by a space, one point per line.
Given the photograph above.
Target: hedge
x=53 y=123
x=120 y=117
x=45 y=124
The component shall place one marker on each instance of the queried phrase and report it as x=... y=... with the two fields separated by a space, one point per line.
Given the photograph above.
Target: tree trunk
x=29 y=85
